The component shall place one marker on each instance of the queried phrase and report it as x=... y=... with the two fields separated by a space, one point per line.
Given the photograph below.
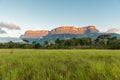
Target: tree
x=68 y=43
x=35 y=45
x=25 y=40
x=102 y=40
x=10 y=44
x=85 y=41
x=58 y=41
x=114 y=44
x=46 y=43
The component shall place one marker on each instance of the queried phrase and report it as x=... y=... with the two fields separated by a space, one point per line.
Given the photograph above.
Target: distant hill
x=64 y=32
x=7 y=39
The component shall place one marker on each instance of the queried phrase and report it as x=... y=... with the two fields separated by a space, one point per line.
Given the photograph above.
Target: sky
x=17 y=16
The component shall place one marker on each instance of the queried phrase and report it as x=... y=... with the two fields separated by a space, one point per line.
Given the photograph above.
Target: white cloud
x=2 y=31
x=9 y=26
x=5 y=27
x=113 y=30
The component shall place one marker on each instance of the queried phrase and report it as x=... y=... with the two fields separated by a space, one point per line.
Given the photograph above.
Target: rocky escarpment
x=60 y=30
x=73 y=30
x=35 y=34
x=63 y=32
x=92 y=29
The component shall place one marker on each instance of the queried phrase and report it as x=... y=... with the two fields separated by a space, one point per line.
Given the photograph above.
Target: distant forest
x=101 y=42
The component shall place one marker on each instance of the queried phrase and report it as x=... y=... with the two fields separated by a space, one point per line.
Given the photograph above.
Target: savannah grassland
x=30 y=64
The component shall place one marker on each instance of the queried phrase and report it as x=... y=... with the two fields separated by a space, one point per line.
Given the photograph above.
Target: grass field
x=18 y=64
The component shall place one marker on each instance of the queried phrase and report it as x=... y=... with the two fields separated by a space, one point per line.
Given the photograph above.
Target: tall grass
x=18 y=64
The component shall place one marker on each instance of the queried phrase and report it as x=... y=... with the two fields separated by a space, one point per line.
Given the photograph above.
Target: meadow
x=31 y=64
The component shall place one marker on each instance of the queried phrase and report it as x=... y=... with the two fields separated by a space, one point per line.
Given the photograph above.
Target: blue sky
x=49 y=14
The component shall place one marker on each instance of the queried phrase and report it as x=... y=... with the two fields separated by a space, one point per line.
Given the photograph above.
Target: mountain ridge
x=60 y=30
x=67 y=32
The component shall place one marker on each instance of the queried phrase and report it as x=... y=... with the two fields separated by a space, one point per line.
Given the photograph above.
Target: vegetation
x=101 y=42
x=29 y=64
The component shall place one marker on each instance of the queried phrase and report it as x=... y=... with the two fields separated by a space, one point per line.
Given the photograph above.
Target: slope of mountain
x=7 y=39
x=63 y=32
x=60 y=30
x=52 y=38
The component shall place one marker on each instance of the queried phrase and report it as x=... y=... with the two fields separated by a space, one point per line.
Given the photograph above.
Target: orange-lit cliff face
x=35 y=34
x=59 y=30
x=92 y=29
x=65 y=30
x=73 y=30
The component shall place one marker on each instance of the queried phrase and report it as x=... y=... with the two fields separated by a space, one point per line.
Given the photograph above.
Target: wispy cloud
x=9 y=26
x=113 y=30
x=2 y=31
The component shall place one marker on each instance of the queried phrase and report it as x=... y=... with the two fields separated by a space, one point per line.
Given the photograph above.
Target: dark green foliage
x=101 y=42
x=114 y=44
x=106 y=41
x=25 y=40
x=35 y=45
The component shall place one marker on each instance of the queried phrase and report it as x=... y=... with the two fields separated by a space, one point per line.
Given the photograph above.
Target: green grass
x=19 y=64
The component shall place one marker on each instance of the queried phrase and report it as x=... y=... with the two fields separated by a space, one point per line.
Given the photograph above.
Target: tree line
x=101 y=42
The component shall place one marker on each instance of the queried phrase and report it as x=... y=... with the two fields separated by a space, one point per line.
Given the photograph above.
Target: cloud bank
x=113 y=30
x=9 y=26
x=2 y=31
